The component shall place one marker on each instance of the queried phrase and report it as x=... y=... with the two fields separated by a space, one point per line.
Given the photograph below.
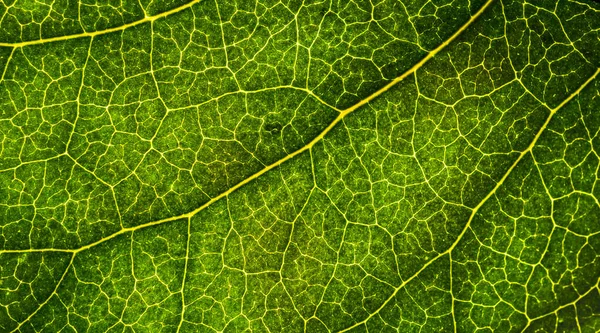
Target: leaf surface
x=322 y=166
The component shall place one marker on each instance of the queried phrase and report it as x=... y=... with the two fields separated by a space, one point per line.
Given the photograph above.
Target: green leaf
x=299 y=166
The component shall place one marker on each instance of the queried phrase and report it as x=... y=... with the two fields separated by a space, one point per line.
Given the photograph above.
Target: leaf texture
x=299 y=166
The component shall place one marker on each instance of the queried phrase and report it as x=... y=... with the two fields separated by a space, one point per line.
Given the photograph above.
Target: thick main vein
x=269 y=167
x=482 y=202
x=102 y=32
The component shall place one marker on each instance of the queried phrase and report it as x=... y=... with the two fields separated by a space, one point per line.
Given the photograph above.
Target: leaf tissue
x=299 y=166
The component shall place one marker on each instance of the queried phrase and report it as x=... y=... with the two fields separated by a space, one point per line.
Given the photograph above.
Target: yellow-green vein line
x=481 y=203
x=102 y=32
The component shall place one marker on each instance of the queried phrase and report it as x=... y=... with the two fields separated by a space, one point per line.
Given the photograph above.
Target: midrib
x=299 y=151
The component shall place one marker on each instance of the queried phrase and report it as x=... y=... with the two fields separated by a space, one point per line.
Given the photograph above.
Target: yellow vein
x=54 y=292
x=308 y=146
x=482 y=202
x=573 y=302
x=102 y=32
x=185 y=270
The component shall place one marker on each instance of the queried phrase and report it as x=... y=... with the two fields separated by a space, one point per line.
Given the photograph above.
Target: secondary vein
x=299 y=151
x=101 y=32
